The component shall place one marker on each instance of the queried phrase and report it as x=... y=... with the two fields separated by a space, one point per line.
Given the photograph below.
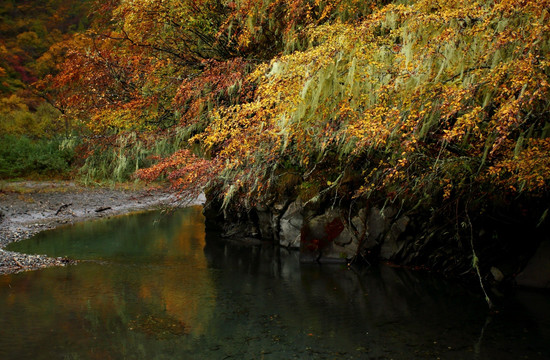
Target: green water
x=154 y=286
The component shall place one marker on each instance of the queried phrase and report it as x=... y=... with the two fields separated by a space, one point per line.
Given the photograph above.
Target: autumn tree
x=416 y=101
x=32 y=34
x=425 y=101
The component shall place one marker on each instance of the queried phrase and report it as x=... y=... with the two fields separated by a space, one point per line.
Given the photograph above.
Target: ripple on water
x=153 y=287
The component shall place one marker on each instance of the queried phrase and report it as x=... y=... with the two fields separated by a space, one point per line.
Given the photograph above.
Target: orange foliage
x=424 y=98
x=187 y=173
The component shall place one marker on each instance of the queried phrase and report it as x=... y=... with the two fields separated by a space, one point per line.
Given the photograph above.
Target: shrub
x=21 y=156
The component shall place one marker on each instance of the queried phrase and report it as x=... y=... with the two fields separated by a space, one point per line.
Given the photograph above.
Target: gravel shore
x=27 y=208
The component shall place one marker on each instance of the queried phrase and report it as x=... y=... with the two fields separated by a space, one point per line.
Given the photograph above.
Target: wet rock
x=290 y=225
x=346 y=244
x=327 y=226
x=393 y=242
x=318 y=239
x=359 y=222
x=376 y=226
x=12 y=262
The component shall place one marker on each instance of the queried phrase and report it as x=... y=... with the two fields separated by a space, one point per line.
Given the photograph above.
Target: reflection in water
x=153 y=288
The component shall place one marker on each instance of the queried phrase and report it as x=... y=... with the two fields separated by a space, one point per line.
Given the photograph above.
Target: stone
x=393 y=243
x=359 y=221
x=326 y=239
x=537 y=272
x=377 y=226
x=358 y=224
x=388 y=212
x=344 y=238
x=497 y=274
x=290 y=225
x=346 y=244
x=318 y=224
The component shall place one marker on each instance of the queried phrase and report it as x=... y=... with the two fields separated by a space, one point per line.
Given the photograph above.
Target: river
x=156 y=286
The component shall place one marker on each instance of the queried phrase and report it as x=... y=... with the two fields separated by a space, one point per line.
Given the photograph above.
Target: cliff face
x=500 y=246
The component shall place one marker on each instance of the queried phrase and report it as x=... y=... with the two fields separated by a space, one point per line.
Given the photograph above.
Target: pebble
x=12 y=262
x=22 y=219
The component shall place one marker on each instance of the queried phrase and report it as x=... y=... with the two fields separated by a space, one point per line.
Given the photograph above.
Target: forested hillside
x=32 y=37
x=33 y=43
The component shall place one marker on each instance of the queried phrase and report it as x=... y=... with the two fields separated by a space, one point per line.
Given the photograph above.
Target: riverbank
x=29 y=207
x=501 y=247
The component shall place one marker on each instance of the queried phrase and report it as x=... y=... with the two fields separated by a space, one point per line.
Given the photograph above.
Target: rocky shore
x=27 y=208
x=507 y=252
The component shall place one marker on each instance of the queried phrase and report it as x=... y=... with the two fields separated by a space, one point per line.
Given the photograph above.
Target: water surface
x=154 y=286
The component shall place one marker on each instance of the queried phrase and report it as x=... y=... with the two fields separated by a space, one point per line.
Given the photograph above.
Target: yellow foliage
x=528 y=171
x=17 y=119
x=425 y=96
x=436 y=88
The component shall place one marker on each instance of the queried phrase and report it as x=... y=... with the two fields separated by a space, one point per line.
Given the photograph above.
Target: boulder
x=393 y=241
x=359 y=222
x=345 y=245
x=326 y=238
x=320 y=224
x=376 y=225
x=290 y=225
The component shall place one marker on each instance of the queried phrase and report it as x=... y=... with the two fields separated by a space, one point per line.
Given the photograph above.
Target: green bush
x=21 y=156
